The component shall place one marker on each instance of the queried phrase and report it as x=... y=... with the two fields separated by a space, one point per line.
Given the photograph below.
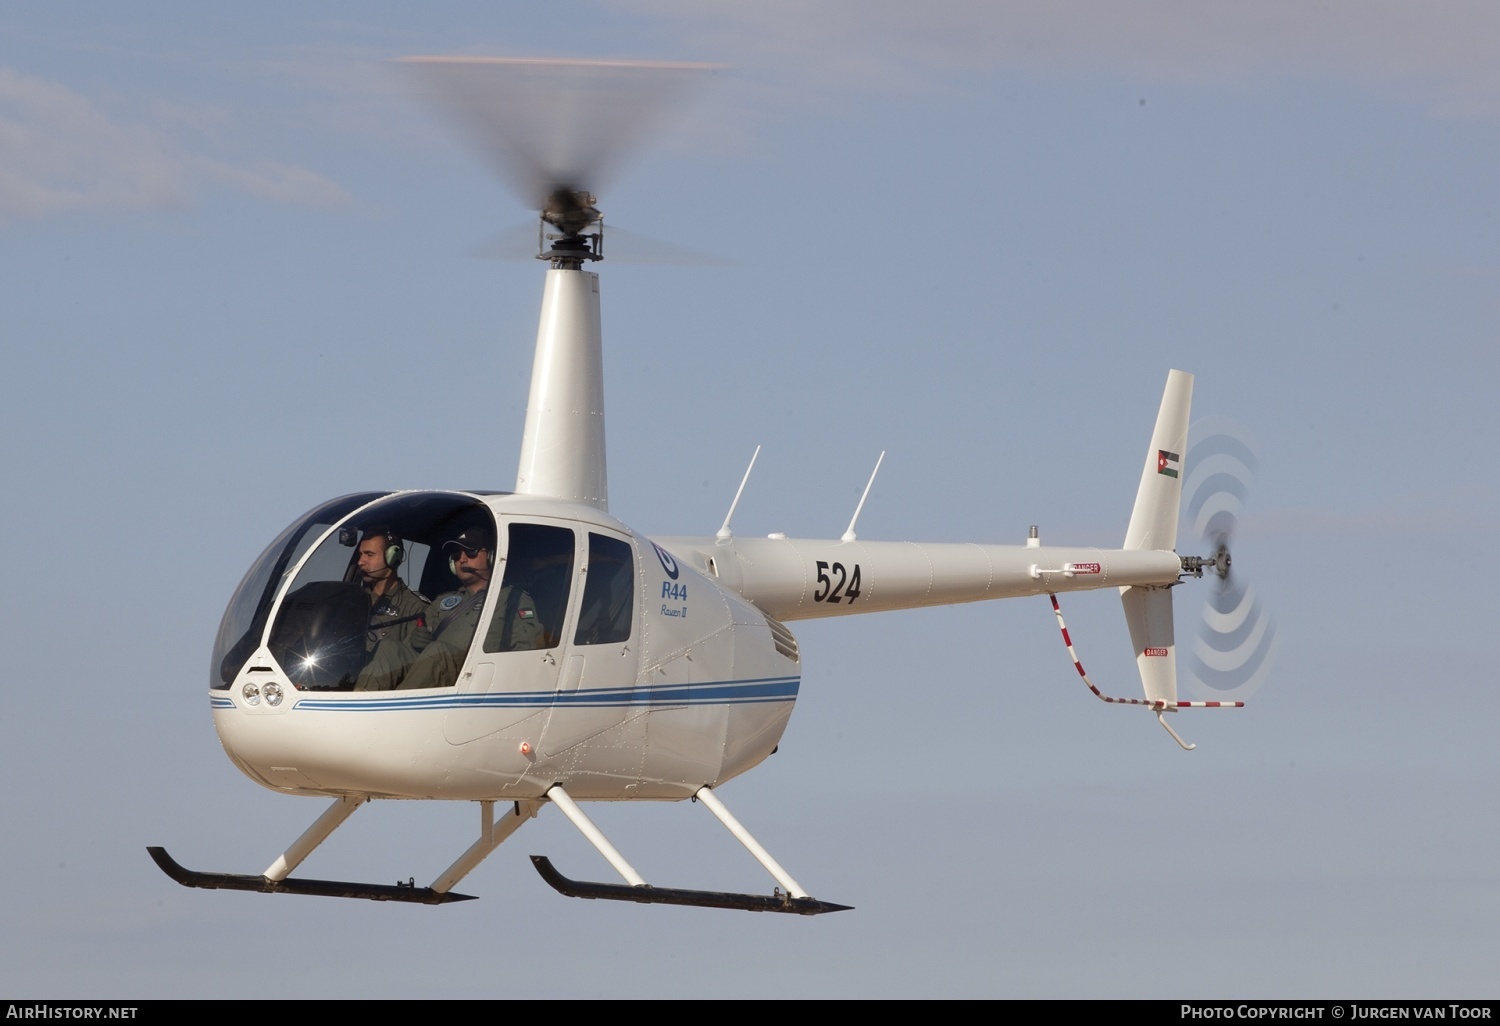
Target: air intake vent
x=785 y=643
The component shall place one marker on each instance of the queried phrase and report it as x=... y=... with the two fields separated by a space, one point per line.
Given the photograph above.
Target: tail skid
x=1160 y=706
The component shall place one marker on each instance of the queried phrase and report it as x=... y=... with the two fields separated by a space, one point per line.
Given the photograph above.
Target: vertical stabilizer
x=562 y=451
x=1148 y=613
x=1153 y=523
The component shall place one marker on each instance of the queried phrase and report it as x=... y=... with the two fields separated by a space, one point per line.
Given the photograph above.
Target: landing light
x=273 y=694
x=251 y=693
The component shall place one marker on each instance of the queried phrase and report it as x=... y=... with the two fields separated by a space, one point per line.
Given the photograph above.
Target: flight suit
x=447 y=627
x=391 y=646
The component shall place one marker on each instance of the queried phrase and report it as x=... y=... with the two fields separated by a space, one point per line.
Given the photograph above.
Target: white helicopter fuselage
x=526 y=647
x=693 y=686
x=698 y=692
x=694 y=690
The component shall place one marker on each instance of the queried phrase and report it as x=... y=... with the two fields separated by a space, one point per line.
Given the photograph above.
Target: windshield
x=352 y=617
x=245 y=620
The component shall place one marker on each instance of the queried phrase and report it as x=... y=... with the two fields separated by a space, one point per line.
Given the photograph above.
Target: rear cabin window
x=608 y=593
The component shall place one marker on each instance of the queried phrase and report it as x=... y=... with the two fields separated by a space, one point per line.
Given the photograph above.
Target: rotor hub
x=1218 y=564
x=571 y=212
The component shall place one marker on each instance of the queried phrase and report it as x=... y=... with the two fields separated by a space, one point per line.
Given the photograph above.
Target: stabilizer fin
x=1148 y=614
x=1153 y=522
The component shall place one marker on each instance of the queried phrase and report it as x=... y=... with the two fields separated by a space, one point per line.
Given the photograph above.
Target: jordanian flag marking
x=1167 y=462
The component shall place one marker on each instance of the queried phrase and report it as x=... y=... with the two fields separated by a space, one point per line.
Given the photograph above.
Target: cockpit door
x=597 y=683
x=520 y=647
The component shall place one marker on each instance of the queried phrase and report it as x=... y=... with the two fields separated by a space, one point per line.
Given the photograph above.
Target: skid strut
x=789 y=897
x=276 y=879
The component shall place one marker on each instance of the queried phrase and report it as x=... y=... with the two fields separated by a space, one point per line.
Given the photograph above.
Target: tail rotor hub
x=1218 y=564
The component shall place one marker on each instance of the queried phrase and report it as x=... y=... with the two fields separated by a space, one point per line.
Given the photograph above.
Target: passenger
x=443 y=635
x=395 y=610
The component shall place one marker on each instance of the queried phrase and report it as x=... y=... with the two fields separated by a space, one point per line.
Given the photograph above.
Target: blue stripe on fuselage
x=739 y=692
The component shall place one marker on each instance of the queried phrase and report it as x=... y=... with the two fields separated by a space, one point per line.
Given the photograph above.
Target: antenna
x=724 y=533
x=849 y=535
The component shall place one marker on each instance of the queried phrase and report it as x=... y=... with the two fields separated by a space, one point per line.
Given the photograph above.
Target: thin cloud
x=276 y=182
x=59 y=153
x=1442 y=53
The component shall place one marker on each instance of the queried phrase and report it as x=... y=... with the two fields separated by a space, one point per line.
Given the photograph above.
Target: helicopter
x=564 y=657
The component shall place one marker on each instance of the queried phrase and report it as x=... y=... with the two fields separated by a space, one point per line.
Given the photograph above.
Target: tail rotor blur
x=1236 y=638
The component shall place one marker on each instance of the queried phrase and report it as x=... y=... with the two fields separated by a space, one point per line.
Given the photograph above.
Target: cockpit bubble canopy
x=309 y=578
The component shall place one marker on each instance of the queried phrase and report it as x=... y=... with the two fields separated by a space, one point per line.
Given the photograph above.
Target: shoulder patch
x=449 y=601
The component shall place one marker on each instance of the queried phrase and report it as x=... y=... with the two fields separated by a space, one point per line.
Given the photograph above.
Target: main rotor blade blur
x=545 y=125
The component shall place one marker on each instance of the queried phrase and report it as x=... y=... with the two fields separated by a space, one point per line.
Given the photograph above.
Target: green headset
x=394 y=553
x=453 y=560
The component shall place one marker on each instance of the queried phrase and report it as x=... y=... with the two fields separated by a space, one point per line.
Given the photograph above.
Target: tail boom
x=800 y=579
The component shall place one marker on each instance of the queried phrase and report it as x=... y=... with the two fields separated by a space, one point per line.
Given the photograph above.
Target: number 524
x=845 y=586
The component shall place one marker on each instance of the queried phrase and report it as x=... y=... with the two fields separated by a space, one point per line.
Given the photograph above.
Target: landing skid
x=293 y=885
x=646 y=894
x=789 y=897
x=277 y=879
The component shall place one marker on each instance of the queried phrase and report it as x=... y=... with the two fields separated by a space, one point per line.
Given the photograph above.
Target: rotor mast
x=562 y=448
x=553 y=130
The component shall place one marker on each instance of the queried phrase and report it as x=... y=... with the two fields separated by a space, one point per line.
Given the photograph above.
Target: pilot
x=394 y=610
x=447 y=627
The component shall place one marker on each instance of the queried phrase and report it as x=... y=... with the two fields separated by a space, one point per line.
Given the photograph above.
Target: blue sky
x=974 y=235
